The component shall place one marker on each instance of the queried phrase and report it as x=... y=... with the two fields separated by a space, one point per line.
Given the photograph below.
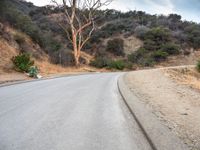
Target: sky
x=188 y=9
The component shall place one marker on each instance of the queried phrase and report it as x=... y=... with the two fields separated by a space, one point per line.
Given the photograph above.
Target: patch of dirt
x=131 y=43
x=176 y=105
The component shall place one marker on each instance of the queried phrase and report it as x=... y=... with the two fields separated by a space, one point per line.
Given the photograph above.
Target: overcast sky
x=188 y=9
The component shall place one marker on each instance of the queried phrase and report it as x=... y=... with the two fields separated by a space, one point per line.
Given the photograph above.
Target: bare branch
x=80 y=16
x=89 y=35
x=67 y=32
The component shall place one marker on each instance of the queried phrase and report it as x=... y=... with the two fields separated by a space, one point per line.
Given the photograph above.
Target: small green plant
x=104 y=62
x=171 y=48
x=136 y=56
x=128 y=65
x=117 y=64
x=22 y=62
x=116 y=46
x=147 y=62
x=159 y=55
x=198 y=66
x=33 y=71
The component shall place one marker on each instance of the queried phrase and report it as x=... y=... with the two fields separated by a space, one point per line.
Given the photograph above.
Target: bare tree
x=79 y=22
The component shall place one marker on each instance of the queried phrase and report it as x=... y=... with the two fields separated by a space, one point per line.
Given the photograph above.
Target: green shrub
x=103 y=62
x=33 y=71
x=117 y=64
x=193 y=35
x=198 y=66
x=136 y=56
x=22 y=62
x=54 y=45
x=128 y=65
x=159 y=55
x=116 y=46
x=151 y=45
x=147 y=62
x=100 y=62
x=140 y=31
x=155 y=38
x=158 y=34
x=171 y=48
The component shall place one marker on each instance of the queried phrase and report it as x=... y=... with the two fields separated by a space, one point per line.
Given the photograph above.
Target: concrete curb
x=45 y=78
x=158 y=135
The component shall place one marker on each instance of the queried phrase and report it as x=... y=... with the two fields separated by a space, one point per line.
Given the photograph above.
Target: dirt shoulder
x=46 y=71
x=176 y=105
x=12 y=77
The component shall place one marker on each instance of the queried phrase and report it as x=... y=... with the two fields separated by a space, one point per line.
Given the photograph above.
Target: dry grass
x=182 y=59
x=47 y=69
x=186 y=76
x=6 y=53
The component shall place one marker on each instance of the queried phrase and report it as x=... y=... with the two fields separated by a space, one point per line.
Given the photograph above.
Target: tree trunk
x=76 y=58
x=75 y=49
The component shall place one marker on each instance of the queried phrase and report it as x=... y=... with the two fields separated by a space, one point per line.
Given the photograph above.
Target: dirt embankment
x=175 y=101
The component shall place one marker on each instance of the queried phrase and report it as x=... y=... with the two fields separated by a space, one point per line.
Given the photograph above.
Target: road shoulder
x=25 y=80
x=160 y=137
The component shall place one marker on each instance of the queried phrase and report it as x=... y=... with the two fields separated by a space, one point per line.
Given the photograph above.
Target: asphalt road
x=70 y=113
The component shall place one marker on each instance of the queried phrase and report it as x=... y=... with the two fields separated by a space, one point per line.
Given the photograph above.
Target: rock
x=185 y=114
x=39 y=76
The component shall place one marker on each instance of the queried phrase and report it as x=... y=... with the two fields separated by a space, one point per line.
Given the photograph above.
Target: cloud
x=189 y=9
x=151 y=6
x=160 y=7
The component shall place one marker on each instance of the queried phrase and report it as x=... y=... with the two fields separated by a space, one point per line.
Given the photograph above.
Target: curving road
x=70 y=113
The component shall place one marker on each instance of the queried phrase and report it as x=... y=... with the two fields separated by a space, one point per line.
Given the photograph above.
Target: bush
x=22 y=62
x=142 y=57
x=103 y=62
x=171 y=48
x=147 y=62
x=100 y=62
x=159 y=55
x=117 y=64
x=155 y=38
x=116 y=46
x=198 y=66
x=136 y=56
x=140 y=31
x=128 y=65
x=158 y=34
x=193 y=35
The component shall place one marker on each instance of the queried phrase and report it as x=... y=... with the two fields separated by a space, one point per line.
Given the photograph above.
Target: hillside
x=13 y=42
x=132 y=40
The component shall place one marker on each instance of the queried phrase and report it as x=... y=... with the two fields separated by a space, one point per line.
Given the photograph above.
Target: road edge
x=44 y=78
x=157 y=134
